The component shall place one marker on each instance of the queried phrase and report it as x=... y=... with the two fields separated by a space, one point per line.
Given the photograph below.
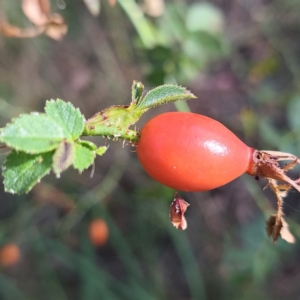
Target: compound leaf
x=164 y=94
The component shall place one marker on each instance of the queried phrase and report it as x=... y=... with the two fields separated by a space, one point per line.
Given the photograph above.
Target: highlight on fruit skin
x=98 y=232
x=10 y=255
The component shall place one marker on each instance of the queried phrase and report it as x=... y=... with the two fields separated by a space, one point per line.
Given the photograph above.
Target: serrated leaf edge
x=73 y=107
x=81 y=170
x=13 y=120
x=30 y=186
x=185 y=91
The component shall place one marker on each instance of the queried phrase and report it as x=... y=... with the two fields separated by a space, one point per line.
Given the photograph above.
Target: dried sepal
x=273 y=227
x=266 y=165
x=177 y=210
x=276 y=228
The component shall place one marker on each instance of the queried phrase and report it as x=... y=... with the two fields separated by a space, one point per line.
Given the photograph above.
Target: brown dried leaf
x=276 y=228
x=9 y=30
x=177 y=210
x=63 y=157
x=286 y=234
x=37 y=11
x=273 y=229
x=56 y=27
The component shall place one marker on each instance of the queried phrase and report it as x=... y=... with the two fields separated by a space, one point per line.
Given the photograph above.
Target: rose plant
x=185 y=151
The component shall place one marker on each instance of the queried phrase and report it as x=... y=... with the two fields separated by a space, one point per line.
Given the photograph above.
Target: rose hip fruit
x=191 y=152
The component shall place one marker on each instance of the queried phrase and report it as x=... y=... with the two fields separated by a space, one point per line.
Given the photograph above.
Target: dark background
x=241 y=59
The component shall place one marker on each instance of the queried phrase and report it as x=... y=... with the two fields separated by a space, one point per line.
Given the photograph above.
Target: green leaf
x=164 y=94
x=34 y=133
x=67 y=116
x=21 y=171
x=63 y=157
x=84 y=157
x=101 y=150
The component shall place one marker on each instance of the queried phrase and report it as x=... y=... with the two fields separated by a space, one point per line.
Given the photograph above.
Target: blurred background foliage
x=241 y=59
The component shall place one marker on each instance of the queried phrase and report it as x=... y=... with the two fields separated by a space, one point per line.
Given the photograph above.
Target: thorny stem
x=115 y=134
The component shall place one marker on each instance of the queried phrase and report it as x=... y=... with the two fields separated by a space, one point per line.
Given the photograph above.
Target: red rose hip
x=191 y=152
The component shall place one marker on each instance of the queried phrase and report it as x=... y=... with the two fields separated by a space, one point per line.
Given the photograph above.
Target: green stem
x=110 y=132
